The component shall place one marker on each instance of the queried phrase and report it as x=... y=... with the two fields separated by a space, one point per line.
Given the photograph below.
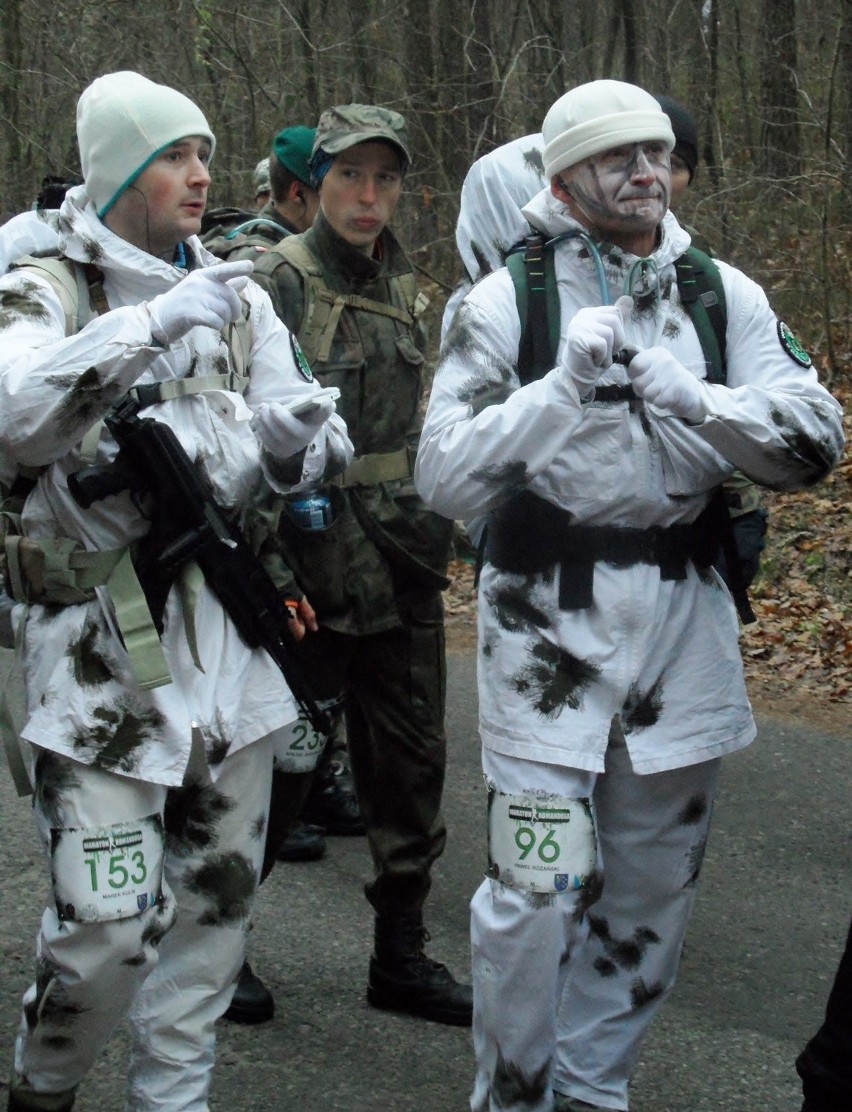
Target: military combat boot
x=252 y=1001
x=563 y=1103
x=24 y=1099
x=403 y=979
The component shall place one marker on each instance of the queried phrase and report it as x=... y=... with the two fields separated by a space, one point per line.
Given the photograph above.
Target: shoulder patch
x=791 y=344
x=300 y=360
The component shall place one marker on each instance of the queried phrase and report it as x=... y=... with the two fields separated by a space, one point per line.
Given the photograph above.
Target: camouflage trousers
x=565 y=986
x=394 y=688
x=171 y=969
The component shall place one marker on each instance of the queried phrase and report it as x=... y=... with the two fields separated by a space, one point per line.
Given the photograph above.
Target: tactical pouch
x=57 y=572
x=322 y=560
x=415 y=541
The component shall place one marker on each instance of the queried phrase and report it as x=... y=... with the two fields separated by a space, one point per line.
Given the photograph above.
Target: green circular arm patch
x=791 y=344
x=301 y=362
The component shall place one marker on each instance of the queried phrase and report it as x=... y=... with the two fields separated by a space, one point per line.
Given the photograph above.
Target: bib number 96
x=540 y=845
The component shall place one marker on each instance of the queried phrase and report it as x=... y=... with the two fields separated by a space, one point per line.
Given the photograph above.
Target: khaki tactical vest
x=383 y=544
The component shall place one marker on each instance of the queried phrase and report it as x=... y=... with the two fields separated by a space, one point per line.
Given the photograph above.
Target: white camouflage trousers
x=566 y=985
x=170 y=970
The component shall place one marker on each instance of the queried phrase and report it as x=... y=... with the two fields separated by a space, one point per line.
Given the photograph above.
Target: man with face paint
x=610 y=680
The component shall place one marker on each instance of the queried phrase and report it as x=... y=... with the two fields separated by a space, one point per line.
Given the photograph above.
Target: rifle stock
x=188 y=525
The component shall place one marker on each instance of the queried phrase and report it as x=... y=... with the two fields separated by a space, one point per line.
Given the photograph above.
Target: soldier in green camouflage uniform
x=375 y=573
x=233 y=233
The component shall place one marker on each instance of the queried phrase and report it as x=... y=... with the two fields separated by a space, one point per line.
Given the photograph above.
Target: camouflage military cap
x=260 y=177
x=345 y=125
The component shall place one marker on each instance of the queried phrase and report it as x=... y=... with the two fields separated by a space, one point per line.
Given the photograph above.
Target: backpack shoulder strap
x=701 y=291
x=533 y=273
x=79 y=287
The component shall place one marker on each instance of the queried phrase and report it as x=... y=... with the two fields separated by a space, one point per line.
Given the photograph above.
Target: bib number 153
x=107 y=872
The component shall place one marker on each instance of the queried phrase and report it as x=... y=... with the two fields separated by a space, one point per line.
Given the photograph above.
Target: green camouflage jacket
x=233 y=233
x=383 y=560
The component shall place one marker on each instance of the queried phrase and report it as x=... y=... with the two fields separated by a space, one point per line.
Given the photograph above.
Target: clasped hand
x=660 y=379
x=594 y=336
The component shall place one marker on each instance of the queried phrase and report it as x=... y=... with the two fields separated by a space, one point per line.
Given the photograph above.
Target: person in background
x=598 y=604
x=684 y=155
x=261 y=182
x=490 y=221
x=825 y=1065
x=152 y=769
x=295 y=833
x=36 y=230
x=365 y=549
x=290 y=205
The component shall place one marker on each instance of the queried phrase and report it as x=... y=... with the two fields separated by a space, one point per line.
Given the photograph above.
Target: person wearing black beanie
x=684 y=156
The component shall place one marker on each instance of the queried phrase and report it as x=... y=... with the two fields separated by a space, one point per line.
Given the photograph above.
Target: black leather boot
x=332 y=803
x=252 y=1001
x=403 y=979
x=303 y=843
x=25 y=1100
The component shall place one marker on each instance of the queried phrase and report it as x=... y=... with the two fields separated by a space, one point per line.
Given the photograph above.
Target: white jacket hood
x=134 y=274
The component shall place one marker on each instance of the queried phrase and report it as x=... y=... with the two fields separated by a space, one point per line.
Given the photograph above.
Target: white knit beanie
x=598 y=116
x=123 y=121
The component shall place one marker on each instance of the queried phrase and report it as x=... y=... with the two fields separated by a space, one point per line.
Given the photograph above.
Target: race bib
x=540 y=845
x=298 y=747
x=107 y=872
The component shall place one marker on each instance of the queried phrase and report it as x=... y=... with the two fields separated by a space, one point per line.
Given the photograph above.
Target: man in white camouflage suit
x=609 y=674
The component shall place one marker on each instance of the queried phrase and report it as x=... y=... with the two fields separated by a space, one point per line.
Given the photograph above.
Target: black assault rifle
x=187 y=524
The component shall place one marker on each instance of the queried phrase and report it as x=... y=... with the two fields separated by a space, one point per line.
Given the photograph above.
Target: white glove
x=594 y=336
x=207 y=297
x=664 y=382
x=282 y=434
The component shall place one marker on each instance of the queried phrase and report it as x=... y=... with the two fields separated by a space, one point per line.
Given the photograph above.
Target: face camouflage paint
x=626 y=189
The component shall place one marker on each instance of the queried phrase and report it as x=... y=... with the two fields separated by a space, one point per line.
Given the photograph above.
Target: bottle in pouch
x=311 y=511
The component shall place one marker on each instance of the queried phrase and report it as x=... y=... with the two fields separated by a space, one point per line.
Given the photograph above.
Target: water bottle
x=311 y=511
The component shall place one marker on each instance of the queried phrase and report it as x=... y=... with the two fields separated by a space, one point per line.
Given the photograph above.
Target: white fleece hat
x=598 y=116
x=123 y=121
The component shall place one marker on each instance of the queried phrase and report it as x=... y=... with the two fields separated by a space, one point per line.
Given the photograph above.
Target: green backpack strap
x=701 y=291
x=533 y=273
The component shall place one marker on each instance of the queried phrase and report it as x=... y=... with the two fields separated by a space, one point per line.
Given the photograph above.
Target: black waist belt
x=529 y=535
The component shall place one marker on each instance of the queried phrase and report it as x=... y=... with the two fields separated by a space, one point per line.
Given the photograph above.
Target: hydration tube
x=592 y=247
x=639 y=268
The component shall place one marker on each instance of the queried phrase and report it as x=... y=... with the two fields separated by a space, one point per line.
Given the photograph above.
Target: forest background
x=769 y=82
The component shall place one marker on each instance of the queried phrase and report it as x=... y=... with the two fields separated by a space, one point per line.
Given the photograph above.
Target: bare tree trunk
x=780 y=139
x=611 y=41
x=709 y=14
x=631 y=18
x=10 y=100
x=747 y=111
x=845 y=78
